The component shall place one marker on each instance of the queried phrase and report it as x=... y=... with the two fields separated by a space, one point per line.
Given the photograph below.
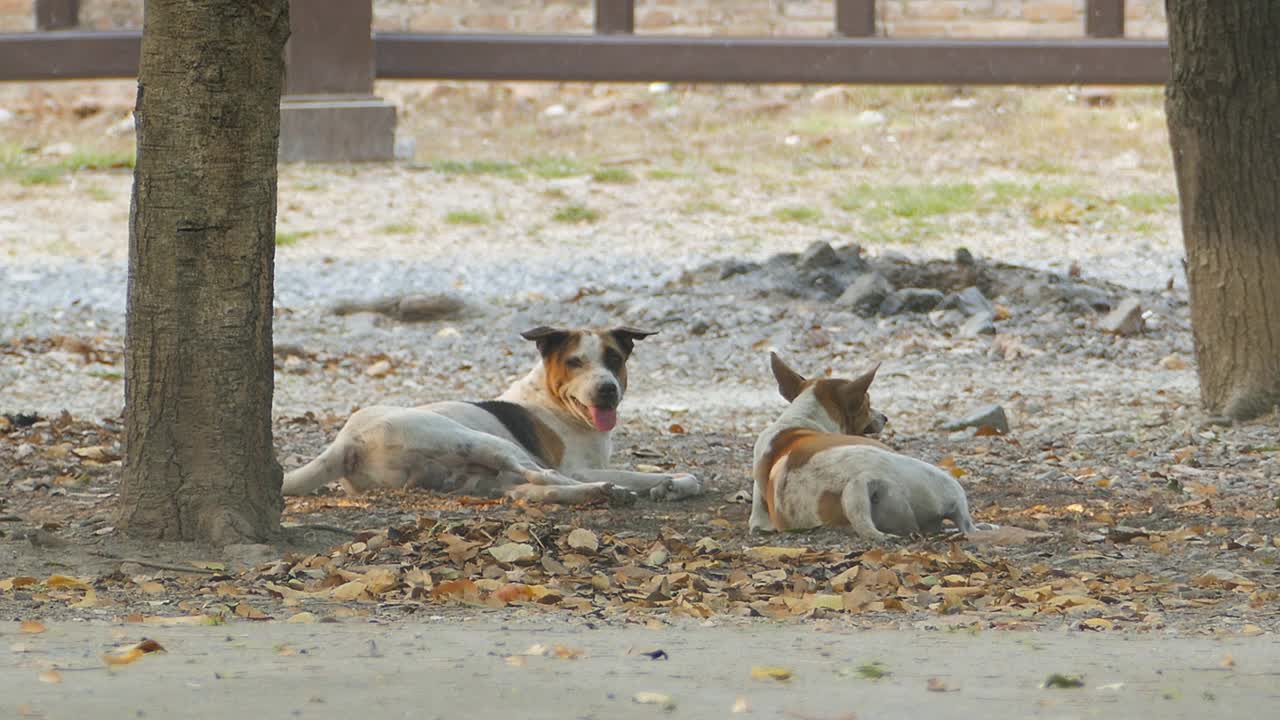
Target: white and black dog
x=547 y=438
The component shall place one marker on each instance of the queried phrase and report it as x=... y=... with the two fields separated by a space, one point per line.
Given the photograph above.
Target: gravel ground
x=1105 y=430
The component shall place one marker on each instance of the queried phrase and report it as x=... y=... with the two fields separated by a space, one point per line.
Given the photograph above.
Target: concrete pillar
x=329 y=112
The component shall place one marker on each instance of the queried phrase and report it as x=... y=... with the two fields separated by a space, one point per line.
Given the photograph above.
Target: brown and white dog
x=813 y=466
x=547 y=438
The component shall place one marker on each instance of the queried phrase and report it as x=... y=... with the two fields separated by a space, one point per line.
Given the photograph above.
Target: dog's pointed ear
x=862 y=383
x=626 y=337
x=790 y=382
x=547 y=338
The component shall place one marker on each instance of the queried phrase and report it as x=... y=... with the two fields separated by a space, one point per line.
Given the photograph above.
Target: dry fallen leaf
x=53 y=677
x=31 y=627
x=1228 y=662
x=768 y=672
x=302 y=617
x=130 y=653
x=936 y=685
x=1096 y=624
x=584 y=540
x=740 y=705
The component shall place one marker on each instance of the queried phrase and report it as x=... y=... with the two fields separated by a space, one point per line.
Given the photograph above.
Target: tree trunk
x=199 y=378
x=1223 y=107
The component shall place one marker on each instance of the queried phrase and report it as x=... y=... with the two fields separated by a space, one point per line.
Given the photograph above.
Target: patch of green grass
x=665 y=174
x=911 y=201
x=873 y=671
x=285 y=239
x=467 y=217
x=614 y=175
x=398 y=229
x=106 y=374
x=99 y=160
x=1147 y=202
x=553 y=168
x=478 y=167
x=576 y=213
x=722 y=169
x=798 y=214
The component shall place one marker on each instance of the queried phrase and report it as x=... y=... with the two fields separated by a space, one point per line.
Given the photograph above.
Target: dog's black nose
x=607 y=396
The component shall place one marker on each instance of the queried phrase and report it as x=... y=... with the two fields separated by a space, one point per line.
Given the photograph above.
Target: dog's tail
x=330 y=465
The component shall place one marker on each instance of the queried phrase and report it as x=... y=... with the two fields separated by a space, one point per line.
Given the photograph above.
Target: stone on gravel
x=1125 y=319
x=992 y=416
x=969 y=301
x=964 y=257
x=731 y=268
x=818 y=255
x=913 y=300
x=866 y=293
x=981 y=324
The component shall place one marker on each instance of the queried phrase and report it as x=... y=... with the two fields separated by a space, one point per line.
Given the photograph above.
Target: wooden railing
x=853 y=54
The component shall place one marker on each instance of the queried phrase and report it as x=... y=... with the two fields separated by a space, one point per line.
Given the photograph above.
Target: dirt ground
x=1125 y=508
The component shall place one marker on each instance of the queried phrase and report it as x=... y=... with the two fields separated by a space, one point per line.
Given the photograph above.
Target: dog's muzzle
x=878 y=421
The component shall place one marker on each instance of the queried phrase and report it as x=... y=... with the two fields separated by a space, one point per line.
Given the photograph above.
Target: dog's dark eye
x=573 y=363
x=613 y=360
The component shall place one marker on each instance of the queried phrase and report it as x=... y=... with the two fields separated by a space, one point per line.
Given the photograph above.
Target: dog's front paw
x=676 y=487
x=986 y=526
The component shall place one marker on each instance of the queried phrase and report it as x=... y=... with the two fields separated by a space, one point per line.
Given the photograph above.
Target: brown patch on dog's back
x=798 y=446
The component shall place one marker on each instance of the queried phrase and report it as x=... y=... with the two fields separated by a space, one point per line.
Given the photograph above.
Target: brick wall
x=897 y=18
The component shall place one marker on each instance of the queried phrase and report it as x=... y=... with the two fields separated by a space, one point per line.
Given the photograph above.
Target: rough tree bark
x=198 y=378
x=1223 y=108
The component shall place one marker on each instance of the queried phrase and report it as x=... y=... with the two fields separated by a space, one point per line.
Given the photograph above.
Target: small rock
x=62 y=149
x=24 y=451
x=1071 y=292
x=1174 y=362
x=869 y=118
x=946 y=318
x=818 y=255
x=866 y=293
x=295 y=365
x=992 y=416
x=970 y=301
x=699 y=327
x=514 y=553
x=1125 y=319
x=980 y=324
x=730 y=268
x=6 y=116
x=964 y=257
x=382 y=368
x=85 y=107
x=914 y=300
x=556 y=111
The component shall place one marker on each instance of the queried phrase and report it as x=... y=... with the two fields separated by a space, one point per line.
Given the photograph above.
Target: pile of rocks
x=955 y=294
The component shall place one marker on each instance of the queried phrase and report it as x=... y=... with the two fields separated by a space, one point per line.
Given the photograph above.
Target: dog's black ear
x=790 y=382
x=547 y=338
x=626 y=337
x=862 y=383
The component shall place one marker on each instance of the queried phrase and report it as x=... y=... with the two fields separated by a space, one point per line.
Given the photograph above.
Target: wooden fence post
x=57 y=14
x=1104 y=18
x=329 y=112
x=615 y=17
x=856 y=18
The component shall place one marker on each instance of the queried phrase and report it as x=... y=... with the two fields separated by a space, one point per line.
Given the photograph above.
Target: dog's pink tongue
x=604 y=418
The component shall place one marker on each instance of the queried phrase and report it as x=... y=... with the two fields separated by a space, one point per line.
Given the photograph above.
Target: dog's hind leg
x=855 y=499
